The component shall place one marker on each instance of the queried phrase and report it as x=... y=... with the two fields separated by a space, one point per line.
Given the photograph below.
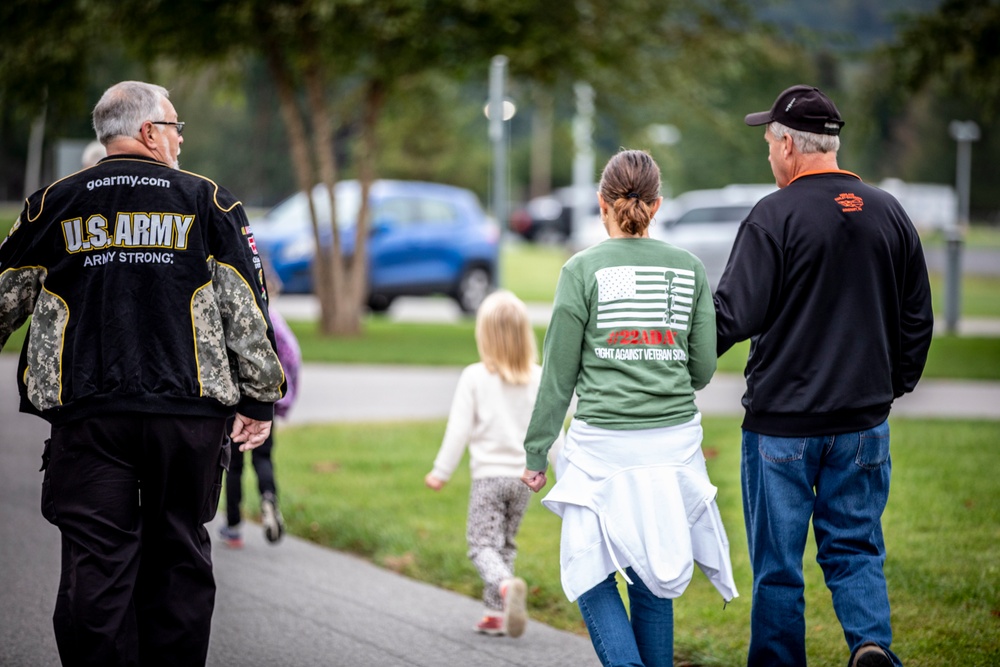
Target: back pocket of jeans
x=781 y=450
x=873 y=447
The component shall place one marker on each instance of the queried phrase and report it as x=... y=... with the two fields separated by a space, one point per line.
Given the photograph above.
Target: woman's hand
x=535 y=479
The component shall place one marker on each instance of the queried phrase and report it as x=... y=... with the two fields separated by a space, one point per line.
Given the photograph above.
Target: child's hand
x=535 y=479
x=433 y=482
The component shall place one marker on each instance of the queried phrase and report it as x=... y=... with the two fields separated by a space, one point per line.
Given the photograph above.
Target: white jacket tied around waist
x=642 y=499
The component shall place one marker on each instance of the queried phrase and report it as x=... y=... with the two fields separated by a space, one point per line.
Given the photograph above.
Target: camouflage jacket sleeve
x=241 y=295
x=21 y=279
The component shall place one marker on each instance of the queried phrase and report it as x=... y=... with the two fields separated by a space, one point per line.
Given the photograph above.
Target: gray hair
x=807 y=142
x=125 y=106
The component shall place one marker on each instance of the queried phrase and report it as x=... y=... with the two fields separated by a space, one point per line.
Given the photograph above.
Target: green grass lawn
x=386 y=342
x=355 y=487
x=976 y=236
x=8 y=214
x=531 y=271
x=979 y=296
x=454 y=345
x=360 y=488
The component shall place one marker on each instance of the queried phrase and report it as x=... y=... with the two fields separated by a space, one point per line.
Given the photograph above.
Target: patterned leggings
x=496 y=507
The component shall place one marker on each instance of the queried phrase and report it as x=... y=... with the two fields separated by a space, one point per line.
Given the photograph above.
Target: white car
x=706 y=221
x=702 y=221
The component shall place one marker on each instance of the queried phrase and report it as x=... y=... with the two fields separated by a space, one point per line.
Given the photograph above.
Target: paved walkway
x=299 y=604
x=293 y=604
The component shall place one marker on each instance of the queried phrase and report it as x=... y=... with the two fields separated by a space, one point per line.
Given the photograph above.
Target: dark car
x=424 y=238
x=549 y=219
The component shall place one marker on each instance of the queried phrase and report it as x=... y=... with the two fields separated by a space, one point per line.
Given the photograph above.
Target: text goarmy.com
x=127 y=179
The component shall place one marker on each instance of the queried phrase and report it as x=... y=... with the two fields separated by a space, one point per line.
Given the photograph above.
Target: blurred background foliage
x=900 y=71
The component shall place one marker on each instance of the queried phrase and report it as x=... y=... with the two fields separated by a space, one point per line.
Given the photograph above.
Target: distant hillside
x=842 y=25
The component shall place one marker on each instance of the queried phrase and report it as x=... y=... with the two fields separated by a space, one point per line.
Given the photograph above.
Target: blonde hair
x=505 y=338
x=630 y=185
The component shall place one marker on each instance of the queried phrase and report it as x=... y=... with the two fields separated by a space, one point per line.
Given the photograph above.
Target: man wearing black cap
x=827 y=279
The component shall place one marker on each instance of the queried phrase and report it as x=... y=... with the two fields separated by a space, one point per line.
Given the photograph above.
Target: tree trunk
x=343 y=306
x=373 y=101
x=298 y=140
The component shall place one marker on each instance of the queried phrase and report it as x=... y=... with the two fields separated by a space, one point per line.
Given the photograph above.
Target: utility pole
x=964 y=133
x=495 y=112
x=583 y=159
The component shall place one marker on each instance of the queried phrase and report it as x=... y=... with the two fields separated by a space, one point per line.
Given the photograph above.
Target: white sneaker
x=515 y=611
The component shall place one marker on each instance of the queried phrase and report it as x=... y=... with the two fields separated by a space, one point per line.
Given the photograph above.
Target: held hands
x=432 y=482
x=535 y=479
x=249 y=432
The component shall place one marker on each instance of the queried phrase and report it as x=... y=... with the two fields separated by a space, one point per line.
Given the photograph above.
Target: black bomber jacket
x=828 y=281
x=146 y=294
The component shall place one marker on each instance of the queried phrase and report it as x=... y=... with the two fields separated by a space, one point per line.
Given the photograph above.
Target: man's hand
x=250 y=432
x=535 y=479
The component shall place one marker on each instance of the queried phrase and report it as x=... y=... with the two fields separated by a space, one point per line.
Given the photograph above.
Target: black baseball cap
x=803 y=108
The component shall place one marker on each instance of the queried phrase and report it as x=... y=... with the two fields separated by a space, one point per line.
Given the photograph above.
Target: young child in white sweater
x=489 y=415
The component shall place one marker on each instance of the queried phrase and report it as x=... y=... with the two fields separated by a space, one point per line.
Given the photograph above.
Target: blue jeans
x=647 y=642
x=842 y=482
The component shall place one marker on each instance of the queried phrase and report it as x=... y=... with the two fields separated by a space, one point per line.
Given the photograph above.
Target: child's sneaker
x=515 y=611
x=270 y=518
x=231 y=537
x=491 y=625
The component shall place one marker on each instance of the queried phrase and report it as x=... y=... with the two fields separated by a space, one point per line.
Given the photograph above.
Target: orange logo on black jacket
x=850 y=201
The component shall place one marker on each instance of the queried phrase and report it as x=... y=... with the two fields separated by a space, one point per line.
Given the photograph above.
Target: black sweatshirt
x=146 y=295
x=828 y=281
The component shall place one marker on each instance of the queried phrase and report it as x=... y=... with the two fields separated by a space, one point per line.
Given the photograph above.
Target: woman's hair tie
x=633 y=195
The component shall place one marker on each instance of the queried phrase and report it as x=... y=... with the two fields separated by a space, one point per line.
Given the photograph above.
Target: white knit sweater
x=490 y=417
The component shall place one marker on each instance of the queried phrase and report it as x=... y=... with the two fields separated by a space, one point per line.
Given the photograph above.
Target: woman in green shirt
x=633 y=334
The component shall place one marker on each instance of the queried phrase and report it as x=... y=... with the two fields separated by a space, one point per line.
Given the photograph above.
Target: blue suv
x=424 y=238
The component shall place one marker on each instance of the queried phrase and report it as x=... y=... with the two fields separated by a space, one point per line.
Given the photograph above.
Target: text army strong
x=155 y=232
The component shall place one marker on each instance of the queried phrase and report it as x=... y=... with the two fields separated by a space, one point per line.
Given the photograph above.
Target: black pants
x=260 y=457
x=131 y=494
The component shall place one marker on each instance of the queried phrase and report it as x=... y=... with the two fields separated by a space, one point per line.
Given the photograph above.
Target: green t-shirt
x=633 y=332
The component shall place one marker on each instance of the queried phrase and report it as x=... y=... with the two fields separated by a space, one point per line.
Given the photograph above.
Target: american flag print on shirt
x=644 y=296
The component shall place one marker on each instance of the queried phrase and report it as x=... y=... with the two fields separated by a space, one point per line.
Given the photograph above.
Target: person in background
x=261 y=457
x=489 y=415
x=827 y=279
x=149 y=329
x=93 y=153
x=633 y=334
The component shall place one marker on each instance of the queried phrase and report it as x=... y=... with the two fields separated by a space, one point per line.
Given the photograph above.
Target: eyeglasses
x=179 y=125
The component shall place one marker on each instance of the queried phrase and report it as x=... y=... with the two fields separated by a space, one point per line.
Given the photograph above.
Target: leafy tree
x=43 y=65
x=338 y=67
x=944 y=65
x=959 y=43
x=374 y=54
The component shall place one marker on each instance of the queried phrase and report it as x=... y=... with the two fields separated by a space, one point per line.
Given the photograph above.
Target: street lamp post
x=583 y=158
x=964 y=133
x=495 y=113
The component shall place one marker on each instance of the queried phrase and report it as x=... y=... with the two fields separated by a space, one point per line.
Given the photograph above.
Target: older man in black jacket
x=149 y=331
x=827 y=279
